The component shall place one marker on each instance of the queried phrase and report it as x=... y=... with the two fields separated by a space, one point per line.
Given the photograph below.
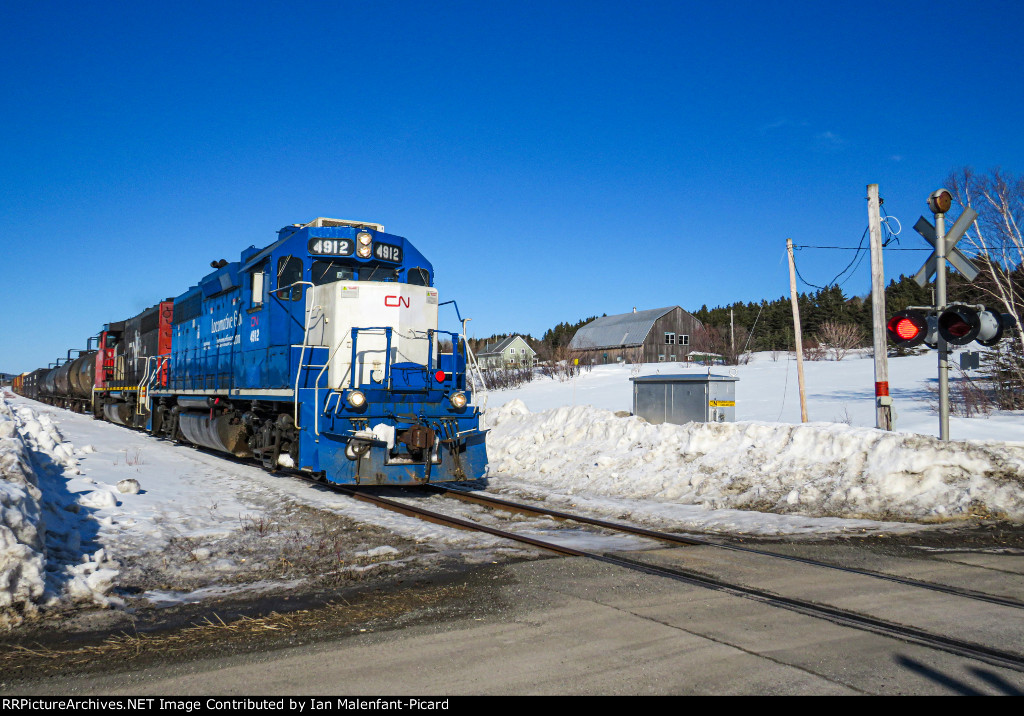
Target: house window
x=661 y=358
x=684 y=340
x=672 y=358
x=670 y=339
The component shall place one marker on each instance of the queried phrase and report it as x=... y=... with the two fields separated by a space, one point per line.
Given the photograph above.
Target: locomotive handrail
x=316 y=391
x=142 y=383
x=327 y=403
x=302 y=355
x=387 y=355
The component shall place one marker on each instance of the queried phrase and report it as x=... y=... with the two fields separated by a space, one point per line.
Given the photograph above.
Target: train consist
x=320 y=352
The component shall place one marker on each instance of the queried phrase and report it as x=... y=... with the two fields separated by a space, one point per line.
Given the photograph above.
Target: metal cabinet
x=682 y=399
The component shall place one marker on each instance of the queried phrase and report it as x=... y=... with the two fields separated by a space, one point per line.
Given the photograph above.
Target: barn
x=657 y=335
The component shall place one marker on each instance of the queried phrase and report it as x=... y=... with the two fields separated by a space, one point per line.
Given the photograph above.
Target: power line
x=846 y=248
x=854 y=264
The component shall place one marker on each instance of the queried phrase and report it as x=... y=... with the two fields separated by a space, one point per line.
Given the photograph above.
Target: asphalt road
x=574 y=626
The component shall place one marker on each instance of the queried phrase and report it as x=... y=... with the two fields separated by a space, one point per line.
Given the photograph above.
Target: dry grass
x=218 y=634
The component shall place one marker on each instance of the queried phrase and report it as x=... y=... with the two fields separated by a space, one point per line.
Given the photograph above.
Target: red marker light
x=439 y=376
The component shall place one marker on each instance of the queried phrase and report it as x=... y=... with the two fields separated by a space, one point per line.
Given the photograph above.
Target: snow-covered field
x=564 y=439
x=87 y=507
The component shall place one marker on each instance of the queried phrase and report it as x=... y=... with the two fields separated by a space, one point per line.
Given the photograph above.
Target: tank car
x=67 y=384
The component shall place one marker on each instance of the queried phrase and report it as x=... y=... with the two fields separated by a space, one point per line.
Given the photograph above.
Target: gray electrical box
x=682 y=399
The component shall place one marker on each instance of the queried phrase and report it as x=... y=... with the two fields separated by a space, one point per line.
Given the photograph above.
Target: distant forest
x=768 y=326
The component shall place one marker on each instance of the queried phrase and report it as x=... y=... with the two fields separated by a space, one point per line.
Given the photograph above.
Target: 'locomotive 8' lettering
x=396 y=301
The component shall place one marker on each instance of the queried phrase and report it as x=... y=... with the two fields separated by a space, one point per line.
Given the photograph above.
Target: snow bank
x=814 y=469
x=41 y=524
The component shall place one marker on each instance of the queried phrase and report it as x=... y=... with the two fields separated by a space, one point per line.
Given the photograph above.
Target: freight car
x=319 y=352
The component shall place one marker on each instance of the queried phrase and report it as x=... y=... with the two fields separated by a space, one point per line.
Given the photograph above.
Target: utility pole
x=883 y=403
x=732 y=333
x=797 y=331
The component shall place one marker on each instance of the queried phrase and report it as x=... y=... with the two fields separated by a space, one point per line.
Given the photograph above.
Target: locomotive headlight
x=458 y=400
x=356 y=399
x=363 y=252
x=364 y=238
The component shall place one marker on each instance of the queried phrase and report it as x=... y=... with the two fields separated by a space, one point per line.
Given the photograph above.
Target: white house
x=512 y=352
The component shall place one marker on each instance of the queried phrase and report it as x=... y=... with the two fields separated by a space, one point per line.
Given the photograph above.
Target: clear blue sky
x=554 y=160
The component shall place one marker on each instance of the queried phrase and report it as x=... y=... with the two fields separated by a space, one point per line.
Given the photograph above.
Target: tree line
x=768 y=325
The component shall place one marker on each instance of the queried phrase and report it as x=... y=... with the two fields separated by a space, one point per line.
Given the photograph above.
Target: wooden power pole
x=799 y=333
x=883 y=403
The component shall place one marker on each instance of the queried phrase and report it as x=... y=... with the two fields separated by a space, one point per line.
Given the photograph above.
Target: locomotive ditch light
x=364 y=238
x=908 y=328
x=458 y=400
x=959 y=325
x=356 y=399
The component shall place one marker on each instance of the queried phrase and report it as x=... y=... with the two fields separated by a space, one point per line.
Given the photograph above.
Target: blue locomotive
x=320 y=352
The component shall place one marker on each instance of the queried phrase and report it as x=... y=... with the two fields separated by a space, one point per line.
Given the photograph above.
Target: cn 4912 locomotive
x=320 y=352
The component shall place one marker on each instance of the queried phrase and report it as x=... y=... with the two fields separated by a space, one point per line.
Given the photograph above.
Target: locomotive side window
x=417 y=277
x=258 y=283
x=329 y=272
x=289 y=271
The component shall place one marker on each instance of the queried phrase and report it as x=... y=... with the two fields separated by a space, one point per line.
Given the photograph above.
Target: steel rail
x=487 y=500
x=855 y=620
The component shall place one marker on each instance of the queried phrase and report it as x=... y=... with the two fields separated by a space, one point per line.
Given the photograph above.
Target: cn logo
x=396 y=301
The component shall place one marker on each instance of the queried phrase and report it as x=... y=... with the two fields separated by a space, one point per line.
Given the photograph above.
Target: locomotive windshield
x=331 y=271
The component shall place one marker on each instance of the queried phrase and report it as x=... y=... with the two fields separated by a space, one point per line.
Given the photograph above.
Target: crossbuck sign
x=960 y=262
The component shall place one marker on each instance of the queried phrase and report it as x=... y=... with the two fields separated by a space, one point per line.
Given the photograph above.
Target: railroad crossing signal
x=960 y=262
x=911 y=328
x=958 y=325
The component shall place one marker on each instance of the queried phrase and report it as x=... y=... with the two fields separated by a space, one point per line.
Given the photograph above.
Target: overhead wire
x=889 y=236
x=854 y=264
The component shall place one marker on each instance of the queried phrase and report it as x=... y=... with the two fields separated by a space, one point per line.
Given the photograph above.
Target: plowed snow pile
x=820 y=469
x=42 y=526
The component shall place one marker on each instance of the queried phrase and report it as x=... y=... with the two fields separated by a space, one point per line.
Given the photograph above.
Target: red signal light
x=439 y=376
x=907 y=329
x=958 y=329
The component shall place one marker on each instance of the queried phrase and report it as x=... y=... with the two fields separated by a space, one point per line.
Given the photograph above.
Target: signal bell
x=910 y=328
x=959 y=325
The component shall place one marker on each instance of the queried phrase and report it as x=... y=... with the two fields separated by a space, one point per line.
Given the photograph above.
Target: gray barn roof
x=625 y=329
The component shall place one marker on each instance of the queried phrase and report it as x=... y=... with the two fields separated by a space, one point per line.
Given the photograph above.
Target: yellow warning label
x=722 y=403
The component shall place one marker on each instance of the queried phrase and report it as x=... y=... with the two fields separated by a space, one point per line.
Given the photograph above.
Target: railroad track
x=836 y=615
x=497 y=503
